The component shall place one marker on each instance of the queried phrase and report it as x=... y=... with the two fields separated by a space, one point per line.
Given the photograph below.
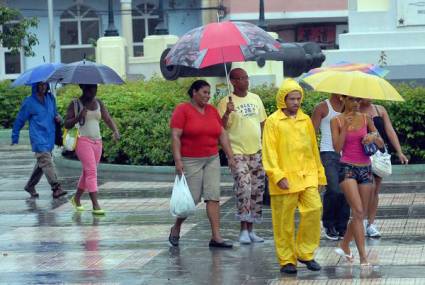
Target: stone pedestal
x=148 y=65
x=386 y=32
x=111 y=51
x=154 y=45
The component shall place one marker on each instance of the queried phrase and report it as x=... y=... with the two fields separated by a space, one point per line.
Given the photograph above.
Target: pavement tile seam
x=77 y=234
x=379 y=255
x=141 y=184
x=78 y=260
x=359 y=281
x=132 y=205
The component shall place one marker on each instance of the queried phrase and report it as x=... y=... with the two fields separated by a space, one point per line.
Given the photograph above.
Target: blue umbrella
x=85 y=72
x=36 y=74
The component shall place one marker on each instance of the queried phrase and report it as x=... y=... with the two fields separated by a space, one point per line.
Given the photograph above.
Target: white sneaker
x=372 y=231
x=365 y=225
x=244 y=237
x=254 y=237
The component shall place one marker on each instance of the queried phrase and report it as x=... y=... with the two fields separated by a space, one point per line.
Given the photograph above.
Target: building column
x=209 y=16
x=127 y=25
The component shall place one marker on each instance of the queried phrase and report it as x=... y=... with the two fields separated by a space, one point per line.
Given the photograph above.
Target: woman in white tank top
x=89 y=143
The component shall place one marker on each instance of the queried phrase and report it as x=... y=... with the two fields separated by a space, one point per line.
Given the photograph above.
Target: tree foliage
x=16 y=34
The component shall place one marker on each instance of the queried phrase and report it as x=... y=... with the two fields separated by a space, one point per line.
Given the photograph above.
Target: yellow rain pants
x=289 y=247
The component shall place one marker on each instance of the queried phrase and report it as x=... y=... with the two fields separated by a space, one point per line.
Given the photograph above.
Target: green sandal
x=74 y=204
x=98 y=212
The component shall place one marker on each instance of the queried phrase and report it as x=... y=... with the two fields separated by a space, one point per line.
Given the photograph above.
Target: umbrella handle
x=227 y=76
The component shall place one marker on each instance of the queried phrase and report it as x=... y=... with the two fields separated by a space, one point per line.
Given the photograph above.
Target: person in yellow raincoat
x=292 y=162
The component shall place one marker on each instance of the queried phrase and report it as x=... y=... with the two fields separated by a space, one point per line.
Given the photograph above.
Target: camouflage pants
x=249 y=187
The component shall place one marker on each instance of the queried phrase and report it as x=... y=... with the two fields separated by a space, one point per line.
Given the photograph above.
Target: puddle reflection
x=93 y=259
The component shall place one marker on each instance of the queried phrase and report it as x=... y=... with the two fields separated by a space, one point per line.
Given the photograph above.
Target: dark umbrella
x=37 y=74
x=85 y=72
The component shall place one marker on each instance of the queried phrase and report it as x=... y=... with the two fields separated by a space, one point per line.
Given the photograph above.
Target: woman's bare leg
x=355 y=228
x=213 y=212
x=373 y=203
x=175 y=230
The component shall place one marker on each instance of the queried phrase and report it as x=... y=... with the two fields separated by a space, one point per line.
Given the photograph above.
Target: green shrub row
x=10 y=102
x=142 y=111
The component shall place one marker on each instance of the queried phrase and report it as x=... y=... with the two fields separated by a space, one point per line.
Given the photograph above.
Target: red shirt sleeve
x=178 y=118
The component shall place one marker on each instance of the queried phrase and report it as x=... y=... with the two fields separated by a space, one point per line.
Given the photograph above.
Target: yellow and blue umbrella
x=354 y=84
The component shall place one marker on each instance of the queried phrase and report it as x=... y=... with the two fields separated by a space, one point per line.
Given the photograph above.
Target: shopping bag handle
x=183 y=179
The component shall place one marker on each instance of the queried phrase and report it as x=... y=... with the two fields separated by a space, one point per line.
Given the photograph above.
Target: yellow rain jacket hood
x=290 y=148
x=288 y=85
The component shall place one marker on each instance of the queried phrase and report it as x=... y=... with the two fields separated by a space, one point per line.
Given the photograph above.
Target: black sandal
x=32 y=192
x=58 y=193
x=223 y=244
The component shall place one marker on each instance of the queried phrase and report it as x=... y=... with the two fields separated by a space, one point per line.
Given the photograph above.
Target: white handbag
x=181 y=203
x=381 y=163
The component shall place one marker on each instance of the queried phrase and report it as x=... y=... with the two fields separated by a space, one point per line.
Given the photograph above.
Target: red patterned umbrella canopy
x=221 y=43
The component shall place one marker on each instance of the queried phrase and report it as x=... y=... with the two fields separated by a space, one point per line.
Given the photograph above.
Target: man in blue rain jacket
x=40 y=110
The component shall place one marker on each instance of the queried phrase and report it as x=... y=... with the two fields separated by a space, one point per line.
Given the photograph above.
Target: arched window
x=79 y=29
x=144 y=23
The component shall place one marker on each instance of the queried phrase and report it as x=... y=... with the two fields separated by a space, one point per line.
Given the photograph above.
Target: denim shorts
x=362 y=174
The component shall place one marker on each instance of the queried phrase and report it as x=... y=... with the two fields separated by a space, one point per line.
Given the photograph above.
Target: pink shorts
x=89 y=152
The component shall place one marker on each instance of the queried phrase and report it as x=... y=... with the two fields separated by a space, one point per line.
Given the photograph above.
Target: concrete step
x=407 y=186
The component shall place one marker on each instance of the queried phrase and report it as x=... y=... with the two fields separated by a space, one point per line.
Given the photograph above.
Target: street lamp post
x=262 y=22
x=51 y=32
x=111 y=31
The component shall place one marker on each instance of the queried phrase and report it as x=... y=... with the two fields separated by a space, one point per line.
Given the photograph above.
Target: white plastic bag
x=181 y=203
x=70 y=138
x=381 y=163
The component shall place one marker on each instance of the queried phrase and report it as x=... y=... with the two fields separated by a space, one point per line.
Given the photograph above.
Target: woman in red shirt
x=196 y=131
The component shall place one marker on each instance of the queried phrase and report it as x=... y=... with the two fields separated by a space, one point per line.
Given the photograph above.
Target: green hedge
x=142 y=110
x=408 y=119
x=10 y=101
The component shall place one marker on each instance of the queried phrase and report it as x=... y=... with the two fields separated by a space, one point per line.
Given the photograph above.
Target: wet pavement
x=42 y=241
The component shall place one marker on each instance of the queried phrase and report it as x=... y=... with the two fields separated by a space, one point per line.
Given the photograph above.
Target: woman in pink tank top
x=350 y=131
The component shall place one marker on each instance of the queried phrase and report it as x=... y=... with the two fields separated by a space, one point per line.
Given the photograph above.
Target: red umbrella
x=220 y=43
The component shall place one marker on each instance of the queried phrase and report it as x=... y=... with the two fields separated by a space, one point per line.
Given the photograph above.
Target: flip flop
x=74 y=204
x=340 y=252
x=99 y=212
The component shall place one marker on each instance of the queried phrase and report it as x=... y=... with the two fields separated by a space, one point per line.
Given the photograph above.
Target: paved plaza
x=42 y=241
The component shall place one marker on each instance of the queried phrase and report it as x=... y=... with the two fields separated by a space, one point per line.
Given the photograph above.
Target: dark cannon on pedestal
x=297 y=58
